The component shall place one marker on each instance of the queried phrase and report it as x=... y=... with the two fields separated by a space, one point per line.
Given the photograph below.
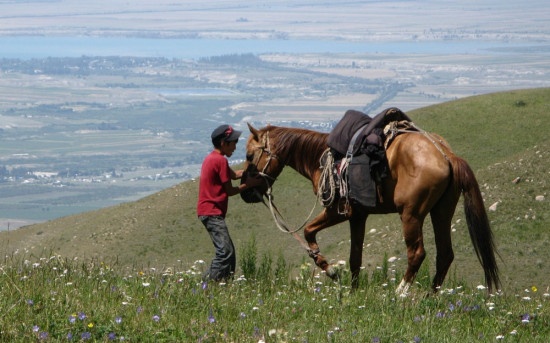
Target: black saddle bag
x=362 y=188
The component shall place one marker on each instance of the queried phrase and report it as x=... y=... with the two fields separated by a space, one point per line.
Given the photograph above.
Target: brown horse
x=425 y=178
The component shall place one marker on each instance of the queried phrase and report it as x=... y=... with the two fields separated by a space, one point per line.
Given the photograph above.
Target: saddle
x=353 y=131
x=356 y=145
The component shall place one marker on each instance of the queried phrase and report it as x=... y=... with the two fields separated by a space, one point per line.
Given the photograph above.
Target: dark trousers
x=224 y=263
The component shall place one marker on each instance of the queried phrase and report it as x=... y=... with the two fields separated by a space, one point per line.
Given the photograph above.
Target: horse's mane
x=299 y=148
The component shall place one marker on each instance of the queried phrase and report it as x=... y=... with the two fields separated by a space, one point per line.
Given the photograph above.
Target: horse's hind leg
x=442 y=215
x=328 y=217
x=412 y=232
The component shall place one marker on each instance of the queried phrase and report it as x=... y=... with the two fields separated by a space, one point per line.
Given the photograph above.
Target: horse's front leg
x=357 y=233
x=328 y=217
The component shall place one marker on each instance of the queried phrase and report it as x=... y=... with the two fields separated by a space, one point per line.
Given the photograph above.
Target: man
x=214 y=189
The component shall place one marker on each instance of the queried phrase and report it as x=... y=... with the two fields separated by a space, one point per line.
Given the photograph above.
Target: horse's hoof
x=332 y=272
x=403 y=289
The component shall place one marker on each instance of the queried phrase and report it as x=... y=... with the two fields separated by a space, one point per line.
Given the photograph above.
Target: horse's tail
x=477 y=220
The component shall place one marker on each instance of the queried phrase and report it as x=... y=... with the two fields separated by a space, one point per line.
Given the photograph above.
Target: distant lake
x=42 y=47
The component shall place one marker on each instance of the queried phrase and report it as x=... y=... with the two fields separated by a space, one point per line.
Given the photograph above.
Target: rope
x=430 y=137
x=279 y=220
x=326 y=173
x=278 y=217
x=392 y=130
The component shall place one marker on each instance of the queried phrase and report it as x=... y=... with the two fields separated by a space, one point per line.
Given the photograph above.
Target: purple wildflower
x=156 y=318
x=451 y=307
x=69 y=336
x=43 y=335
x=440 y=315
x=471 y=308
x=211 y=318
x=257 y=332
x=416 y=339
x=81 y=316
x=204 y=285
x=35 y=328
x=85 y=336
x=242 y=315
x=30 y=302
x=139 y=309
x=525 y=318
x=72 y=319
x=118 y=320
x=112 y=336
x=376 y=340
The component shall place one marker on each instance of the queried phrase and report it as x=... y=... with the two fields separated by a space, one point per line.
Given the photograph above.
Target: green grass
x=489 y=128
x=58 y=299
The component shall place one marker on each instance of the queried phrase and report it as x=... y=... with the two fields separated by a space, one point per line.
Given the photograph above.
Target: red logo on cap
x=229 y=131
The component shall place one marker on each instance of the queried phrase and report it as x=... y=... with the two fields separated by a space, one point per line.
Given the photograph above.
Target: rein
x=280 y=222
x=277 y=216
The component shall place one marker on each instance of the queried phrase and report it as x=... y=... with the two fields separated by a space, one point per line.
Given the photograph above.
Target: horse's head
x=261 y=159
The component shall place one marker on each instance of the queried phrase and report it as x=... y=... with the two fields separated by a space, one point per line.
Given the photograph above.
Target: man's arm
x=233 y=190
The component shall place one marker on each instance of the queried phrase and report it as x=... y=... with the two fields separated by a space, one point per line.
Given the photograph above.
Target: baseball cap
x=227 y=133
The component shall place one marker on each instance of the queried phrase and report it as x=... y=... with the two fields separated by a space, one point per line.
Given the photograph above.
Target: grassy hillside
x=503 y=136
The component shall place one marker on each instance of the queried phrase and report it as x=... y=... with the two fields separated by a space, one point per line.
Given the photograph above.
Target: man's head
x=224 y=133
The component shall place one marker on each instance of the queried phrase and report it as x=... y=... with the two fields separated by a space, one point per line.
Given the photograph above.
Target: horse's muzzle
x=250 y=195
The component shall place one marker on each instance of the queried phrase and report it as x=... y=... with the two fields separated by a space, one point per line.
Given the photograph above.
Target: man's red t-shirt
x=212 y=197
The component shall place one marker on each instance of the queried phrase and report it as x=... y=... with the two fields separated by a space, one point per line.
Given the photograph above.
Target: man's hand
x=237 y=174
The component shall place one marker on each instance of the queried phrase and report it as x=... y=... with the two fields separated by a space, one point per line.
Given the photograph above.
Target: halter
x=265 y=148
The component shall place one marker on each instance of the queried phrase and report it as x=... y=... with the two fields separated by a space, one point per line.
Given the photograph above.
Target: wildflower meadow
x=55 y=299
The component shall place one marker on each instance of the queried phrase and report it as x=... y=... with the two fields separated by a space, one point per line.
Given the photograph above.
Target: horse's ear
x=254 y=131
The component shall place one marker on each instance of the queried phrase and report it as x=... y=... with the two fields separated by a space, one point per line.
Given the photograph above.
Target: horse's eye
x=249 y=157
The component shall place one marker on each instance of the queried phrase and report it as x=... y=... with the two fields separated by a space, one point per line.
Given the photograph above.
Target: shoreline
x=8 y=224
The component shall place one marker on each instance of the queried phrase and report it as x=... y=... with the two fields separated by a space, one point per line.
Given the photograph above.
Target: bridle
x=265 y=148
x=277 y=216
